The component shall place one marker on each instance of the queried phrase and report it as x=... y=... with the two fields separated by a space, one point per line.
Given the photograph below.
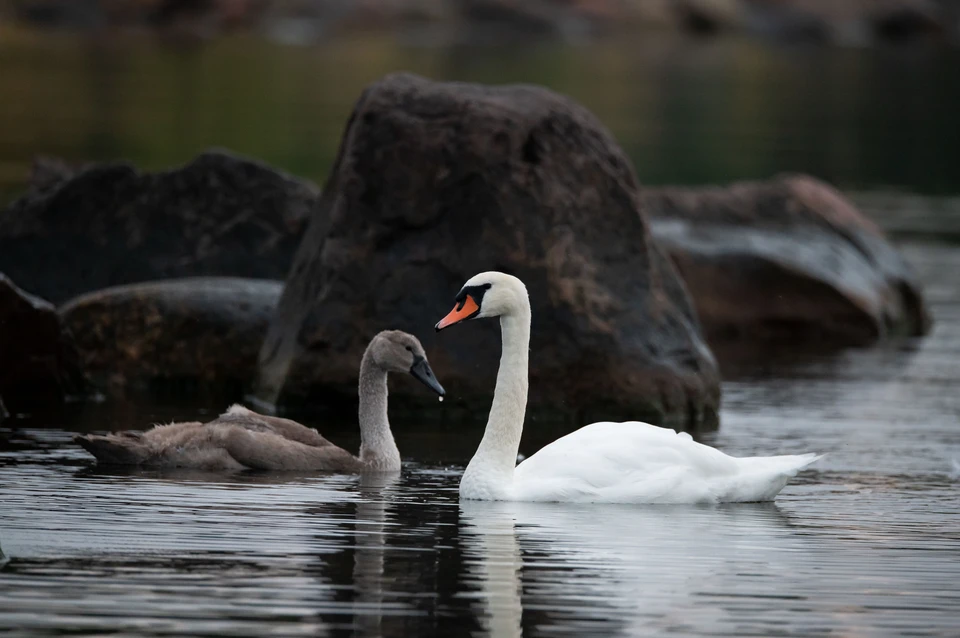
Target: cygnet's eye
x=409 y=349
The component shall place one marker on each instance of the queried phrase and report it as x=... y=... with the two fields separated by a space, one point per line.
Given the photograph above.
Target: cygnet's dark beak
x=421 y=370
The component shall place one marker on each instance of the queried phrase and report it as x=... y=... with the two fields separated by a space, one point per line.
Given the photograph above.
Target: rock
x=161 y=13
x=435 y=182
x=790 y=260
x=49 y=172
x=794 y=22
x=202 y=332
x=534 y=17
x=494 y=21
x=60 y=13
x=709 y=16
x=396 y=13
x=109 y=224
x=851 y=21
x=647 y=14
x=907 y=19
x=38 y=362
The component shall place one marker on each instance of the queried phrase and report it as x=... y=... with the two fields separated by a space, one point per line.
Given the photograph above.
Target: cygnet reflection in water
x=370 y=541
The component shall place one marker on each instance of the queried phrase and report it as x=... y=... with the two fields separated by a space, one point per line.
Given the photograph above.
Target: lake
x=865 y=543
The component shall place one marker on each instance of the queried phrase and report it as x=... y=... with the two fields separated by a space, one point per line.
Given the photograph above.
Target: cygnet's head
x=398 y=351
x=489 y=294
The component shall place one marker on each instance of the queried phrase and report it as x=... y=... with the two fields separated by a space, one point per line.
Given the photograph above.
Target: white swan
x=628 y=462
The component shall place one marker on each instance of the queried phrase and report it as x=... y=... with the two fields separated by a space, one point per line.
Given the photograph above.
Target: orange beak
x=462 y=311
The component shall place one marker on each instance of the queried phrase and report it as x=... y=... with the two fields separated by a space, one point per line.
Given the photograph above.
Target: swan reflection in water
x=619 y=568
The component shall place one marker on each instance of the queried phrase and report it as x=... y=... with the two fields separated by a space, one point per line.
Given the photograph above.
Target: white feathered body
x=636 y=462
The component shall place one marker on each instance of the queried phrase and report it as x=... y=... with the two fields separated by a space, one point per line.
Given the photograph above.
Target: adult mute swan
x=242 y=439
x=628 y=462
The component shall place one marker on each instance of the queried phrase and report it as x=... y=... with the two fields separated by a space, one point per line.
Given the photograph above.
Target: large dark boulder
x=110 y=224
x=196 y=333
x=788 y=260
x=38 y=362
x=436 y=182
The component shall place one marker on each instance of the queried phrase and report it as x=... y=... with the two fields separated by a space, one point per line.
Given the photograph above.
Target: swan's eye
x=409 y=349
x=487 y=286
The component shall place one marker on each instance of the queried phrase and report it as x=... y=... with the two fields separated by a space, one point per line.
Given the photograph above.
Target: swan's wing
x=248 y=419
x=267 y=450
x=233 y=441
x=622 y=462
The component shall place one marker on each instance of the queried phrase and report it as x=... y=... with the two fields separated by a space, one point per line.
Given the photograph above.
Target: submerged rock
x=110 y=224
x=787 y=260
x=196 y=332
x=38 y=362
x=436 y=182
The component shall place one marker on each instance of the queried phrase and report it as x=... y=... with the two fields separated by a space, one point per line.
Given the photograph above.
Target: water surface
x=865 y=543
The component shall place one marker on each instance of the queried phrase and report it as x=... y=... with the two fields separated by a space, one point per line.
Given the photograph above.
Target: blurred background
x=862 y=93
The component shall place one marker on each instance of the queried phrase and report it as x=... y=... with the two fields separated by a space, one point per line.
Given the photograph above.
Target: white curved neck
x=489 y=474
x=378 y=450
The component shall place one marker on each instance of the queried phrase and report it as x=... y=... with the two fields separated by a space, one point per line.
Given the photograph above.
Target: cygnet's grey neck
x=378 y=450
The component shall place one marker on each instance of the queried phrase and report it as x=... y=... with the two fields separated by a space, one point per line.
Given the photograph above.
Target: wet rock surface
x=192 y=333
x=786 y=260
x=38 y=362
x=436 y=182
x=80 y=229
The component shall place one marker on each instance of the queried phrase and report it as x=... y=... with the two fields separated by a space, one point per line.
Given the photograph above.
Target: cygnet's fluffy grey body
x=243 y=439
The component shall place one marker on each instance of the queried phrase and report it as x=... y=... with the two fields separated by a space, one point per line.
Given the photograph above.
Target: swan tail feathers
x=787 y=465
x=115 y=449
x=802 y=461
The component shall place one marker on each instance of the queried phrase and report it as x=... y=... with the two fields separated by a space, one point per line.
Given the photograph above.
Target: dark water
x=685 y=110
x=867 y=543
